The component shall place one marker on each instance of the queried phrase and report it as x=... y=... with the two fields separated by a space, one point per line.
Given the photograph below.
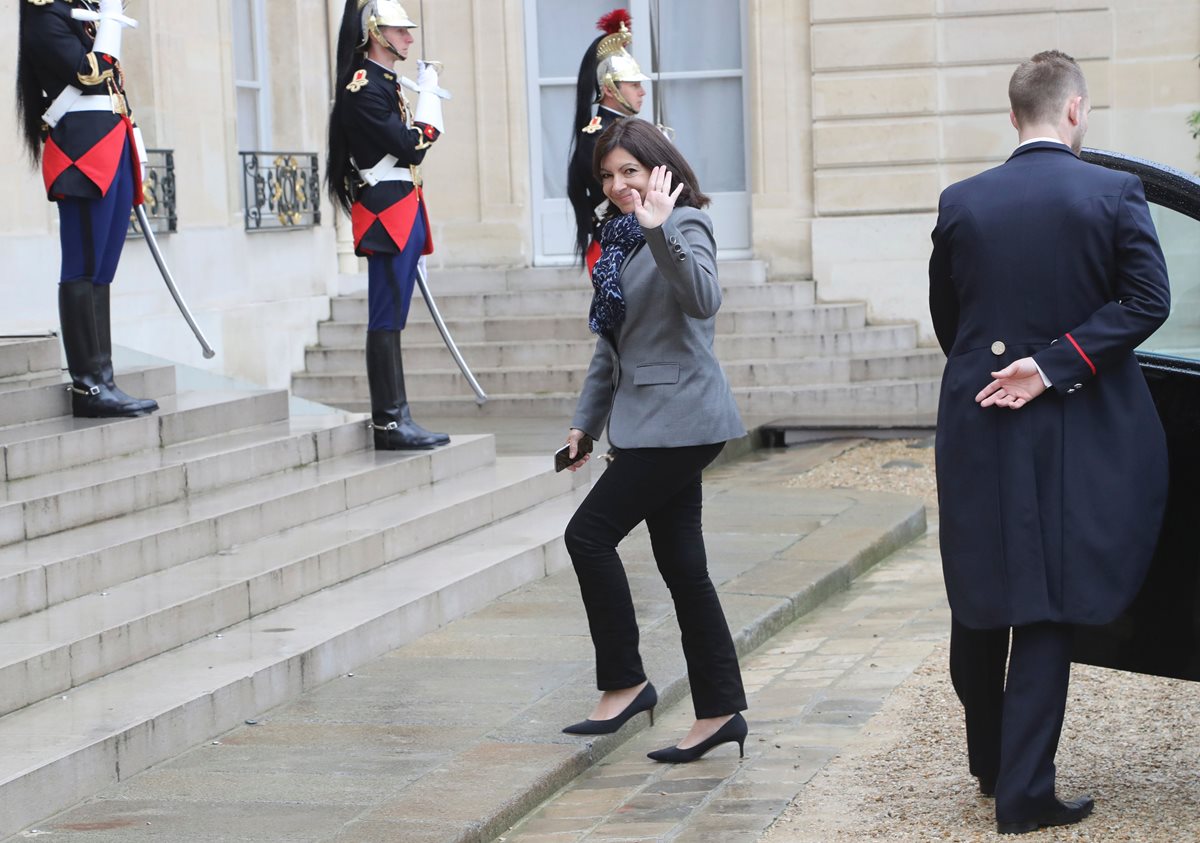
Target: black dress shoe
x=987 y=786
x=646 y=699
x=1064 y=813
x=733 y=729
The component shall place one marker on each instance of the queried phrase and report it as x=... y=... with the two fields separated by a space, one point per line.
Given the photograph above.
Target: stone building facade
x=850 y=115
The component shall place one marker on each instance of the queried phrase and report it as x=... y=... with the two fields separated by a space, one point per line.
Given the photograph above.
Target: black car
x=1160 y=632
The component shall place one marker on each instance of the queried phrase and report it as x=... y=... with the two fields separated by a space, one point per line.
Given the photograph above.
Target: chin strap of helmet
x=613 y=87
x=376 y=35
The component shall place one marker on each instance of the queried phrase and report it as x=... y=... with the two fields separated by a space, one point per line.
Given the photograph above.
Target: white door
x=700 y=50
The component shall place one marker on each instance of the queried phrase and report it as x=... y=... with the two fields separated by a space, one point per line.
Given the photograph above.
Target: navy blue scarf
x=617 y=239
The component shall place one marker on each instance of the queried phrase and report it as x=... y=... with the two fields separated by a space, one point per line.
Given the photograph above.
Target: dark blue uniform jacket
x=83 y=151
x=1050 y=512
x=377 y=124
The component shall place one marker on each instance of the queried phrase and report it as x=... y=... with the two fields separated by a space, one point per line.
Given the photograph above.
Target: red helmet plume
x=611 y=22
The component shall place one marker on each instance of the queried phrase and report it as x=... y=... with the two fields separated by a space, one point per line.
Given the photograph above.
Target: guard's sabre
x=423 y=283
x=421 y=10
x=148 y=233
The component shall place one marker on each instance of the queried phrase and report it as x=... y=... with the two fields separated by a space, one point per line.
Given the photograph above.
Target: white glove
x=429 y=111
x=140 y=145
x=427 y=80
x=427 y=74
x=110 y=20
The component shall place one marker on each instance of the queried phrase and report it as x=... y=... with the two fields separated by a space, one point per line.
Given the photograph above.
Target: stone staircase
x=524 y=333
x=164 y=578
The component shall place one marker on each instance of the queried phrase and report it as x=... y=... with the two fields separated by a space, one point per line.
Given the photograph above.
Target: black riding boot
x=390 y=417
x=100 y=299
x=91 y=397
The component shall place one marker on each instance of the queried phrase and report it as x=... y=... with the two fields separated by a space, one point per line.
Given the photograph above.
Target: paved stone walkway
x=811 y=689
x=453 y=738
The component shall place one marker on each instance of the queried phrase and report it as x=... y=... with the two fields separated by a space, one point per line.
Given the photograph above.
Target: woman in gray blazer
x=656 y=383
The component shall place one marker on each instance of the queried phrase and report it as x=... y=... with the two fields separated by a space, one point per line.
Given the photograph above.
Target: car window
x=1180 y=238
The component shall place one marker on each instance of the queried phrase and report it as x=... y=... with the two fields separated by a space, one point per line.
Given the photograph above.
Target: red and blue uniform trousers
x=391 y=279
x=92 y=231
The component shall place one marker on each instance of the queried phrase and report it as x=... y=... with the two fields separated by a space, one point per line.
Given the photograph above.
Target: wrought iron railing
x=281 y=190
x=159 y=191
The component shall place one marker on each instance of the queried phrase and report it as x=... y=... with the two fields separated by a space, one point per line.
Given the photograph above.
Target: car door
x=1160 y=632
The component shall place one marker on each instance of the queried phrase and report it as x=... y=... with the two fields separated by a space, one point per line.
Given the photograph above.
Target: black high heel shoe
x=733 y=729
x=646 y=699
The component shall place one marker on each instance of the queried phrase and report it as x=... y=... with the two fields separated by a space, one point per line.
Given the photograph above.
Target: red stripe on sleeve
x=1086 y=359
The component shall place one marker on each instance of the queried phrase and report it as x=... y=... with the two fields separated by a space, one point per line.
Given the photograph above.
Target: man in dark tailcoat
x=1051 y=462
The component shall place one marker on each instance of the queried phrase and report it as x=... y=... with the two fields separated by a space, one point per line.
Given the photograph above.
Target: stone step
x=54 y=444
x=71 y=643
x=338 y=388
x=802 y=319
x=878 y=341
x=915 y=398
x=454 y=281
x=61 y=500
x=46 y=395
x=913 y=363
x=27 y=355
x=45 y=571
x=60 y=751
x=564 y=302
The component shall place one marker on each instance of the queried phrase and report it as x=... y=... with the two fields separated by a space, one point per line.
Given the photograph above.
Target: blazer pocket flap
x=653 y=373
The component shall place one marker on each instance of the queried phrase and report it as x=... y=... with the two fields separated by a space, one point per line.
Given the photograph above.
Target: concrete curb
x=853 y=541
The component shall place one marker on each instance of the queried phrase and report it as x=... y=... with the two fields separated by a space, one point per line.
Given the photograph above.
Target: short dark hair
x=1041 y=84
x=650 y=147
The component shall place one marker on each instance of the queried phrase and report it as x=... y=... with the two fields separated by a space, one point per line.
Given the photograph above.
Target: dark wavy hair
x=340 y=178
x=29 y=93
x=647 y=144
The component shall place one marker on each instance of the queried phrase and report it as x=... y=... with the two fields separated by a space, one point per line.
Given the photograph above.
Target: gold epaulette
x=358 y=82
x=41 y=2
x=95 y=77
x=595 y=126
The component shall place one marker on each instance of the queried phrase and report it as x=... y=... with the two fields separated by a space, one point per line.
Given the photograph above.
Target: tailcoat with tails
x=1050 y=512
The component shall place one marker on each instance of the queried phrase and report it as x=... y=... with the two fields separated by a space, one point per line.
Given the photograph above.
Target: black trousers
x=1013 y=726
x=662 y=487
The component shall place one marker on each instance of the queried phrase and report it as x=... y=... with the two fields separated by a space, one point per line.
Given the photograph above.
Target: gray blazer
x=659 y=385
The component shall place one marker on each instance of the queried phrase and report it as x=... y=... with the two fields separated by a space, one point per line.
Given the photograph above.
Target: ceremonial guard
x=609 y=78
x=77 y=123
x=377 y=141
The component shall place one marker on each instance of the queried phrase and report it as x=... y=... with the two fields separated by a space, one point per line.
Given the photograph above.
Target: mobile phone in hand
x=562 y=457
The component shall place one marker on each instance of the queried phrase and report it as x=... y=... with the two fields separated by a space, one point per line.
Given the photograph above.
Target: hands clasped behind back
x=1014 y=386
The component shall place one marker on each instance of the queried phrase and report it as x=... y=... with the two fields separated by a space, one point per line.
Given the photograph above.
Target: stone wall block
x=828 y=10
x=1014 y=37
x=861 y=142
x=874 y=94
x=977 y=136
x=866 y=45
x=877 y=190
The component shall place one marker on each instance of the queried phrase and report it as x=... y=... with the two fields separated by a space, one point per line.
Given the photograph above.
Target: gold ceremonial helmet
x=615 y=64
x=377 y=13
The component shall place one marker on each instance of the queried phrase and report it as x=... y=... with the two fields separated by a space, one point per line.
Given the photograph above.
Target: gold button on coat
x=998 y=348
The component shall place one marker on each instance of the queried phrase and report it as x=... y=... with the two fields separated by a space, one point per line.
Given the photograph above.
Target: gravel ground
x=893 y=465
x=1131 y=741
